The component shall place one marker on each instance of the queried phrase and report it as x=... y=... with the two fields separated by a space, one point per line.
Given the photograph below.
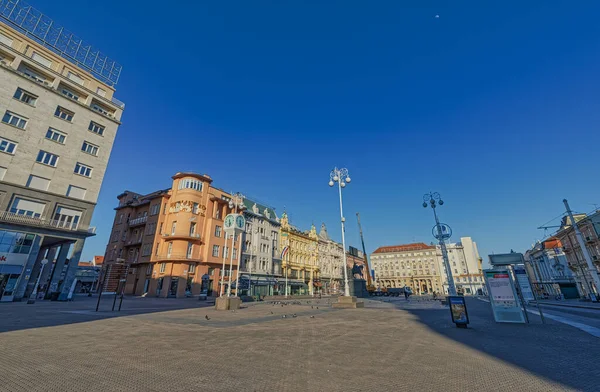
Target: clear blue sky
x=495 y=106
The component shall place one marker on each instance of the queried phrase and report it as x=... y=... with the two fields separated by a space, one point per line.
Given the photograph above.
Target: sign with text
x=503 y=296
x=523 y=280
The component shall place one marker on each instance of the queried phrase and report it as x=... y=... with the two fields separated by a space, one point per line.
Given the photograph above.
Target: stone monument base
x=347 y=303
x=227 y=303
x=358 y=288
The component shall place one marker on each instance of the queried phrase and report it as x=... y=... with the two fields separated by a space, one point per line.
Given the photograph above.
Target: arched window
x=190 y=183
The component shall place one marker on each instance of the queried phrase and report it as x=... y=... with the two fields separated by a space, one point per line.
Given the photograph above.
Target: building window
x=76 y=192
x=56 y=136
x=101 y=92
x=69 y=94
x=154 y=209
x=2 y=172
x=157 y=248
x=96 y=128
x=25 y=97
x=6 y=40
x=192 y=228
x=28 y=208
x=163 y=267
x=215 y=251
x=74 y=77
x=169 y=249
x=89 y=148
x=190 y=183
x=83 y=170
x=218 y=231
x=67 y=218
x=38 y=183
x=34 y=75
x=195 y=208
x=192 y=268
x=41 y=59
x=15 y=120
x=47 y=158
x=173 y=227
x=165 y=209
x=100 y=109
x=7 y=146
x=190 y=250
x=160 y=231
x=15 y=242
x=218 y=212
x=64 y=114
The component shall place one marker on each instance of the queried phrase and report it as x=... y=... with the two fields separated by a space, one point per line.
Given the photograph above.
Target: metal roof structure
x=39 y=27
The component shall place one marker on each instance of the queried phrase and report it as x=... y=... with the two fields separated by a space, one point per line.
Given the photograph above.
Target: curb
x=566 y=305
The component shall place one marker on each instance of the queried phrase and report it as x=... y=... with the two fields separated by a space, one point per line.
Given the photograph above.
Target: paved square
x=387 y=346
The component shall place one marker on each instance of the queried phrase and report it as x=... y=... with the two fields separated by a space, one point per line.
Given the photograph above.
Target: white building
x=465 y=264
x=330 y=262
x=58 y=121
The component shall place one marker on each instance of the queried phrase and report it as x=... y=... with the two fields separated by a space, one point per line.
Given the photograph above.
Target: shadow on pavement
x=555 y=351
x=19 y=315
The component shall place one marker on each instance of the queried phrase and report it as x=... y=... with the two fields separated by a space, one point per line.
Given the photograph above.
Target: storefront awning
x=6 y=269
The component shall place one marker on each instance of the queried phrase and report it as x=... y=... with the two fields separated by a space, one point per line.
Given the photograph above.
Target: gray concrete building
x=58 y=121
x=261 y=256
x=330 y=263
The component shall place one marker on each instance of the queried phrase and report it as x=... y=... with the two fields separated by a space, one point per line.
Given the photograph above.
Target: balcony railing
x=190 y=236
x=10 y=217
x=138 y=221
x=118 y=103
x=177 y=257
x=134 y=241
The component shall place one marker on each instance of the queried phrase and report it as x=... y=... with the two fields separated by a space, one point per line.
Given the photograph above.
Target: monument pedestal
x=348 y=303
x=227 y=303
x=358 y=288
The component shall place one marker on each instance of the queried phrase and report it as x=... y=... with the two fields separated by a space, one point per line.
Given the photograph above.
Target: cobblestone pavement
x=387 y=346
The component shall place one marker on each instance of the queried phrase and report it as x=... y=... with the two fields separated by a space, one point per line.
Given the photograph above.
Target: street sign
x=503 y=296
x=506 y=259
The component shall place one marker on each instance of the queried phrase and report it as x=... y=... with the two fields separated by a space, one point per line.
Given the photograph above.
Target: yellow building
x=299 y=261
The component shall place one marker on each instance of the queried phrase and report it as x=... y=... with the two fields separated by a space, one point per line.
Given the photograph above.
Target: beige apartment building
x=58 y=122
x=172 y=241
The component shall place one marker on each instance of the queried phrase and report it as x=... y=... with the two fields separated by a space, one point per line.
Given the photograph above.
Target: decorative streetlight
x=33 y=295
x=237 y=201
x=342 y=178
x=441 y=232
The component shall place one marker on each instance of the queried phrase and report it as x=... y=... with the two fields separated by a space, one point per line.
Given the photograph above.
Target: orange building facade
x=172 y=241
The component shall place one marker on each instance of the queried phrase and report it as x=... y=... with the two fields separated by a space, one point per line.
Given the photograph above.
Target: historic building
x=589 y=225
x=261 y=254
x=421 y=267
x=58 y=121
x=414 y=265
x=330 y=262
x=549 y=270
x=172 y=241
x=299 y=259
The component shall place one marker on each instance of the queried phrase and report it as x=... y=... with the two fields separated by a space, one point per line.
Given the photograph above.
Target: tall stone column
x=58 y=267
x=35 y=256
x=48 y=268
x=71 y=271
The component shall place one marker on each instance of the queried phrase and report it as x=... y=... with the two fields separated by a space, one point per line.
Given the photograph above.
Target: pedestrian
x=405 y=294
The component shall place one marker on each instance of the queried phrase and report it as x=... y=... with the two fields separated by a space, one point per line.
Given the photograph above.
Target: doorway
x=173 y=287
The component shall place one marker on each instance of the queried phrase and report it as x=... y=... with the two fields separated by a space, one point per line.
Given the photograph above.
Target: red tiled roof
x=403 y=248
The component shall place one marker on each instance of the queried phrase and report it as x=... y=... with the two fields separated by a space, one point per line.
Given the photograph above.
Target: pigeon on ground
x=317 y=307
x=294 y=315
x=312 y=307
x=284 y=316
x=312 y=316
x=206 y=317
x=271 y=312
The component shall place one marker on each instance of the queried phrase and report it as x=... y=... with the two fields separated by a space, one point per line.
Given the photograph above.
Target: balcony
x=134 y=241
x=10 y=217
x=181 y=236
x=589 y=239
x=138 y=221
x=177 y=257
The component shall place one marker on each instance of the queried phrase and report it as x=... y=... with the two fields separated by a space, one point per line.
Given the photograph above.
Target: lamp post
x=342 y=178
x=33 y=294
x=237 y=201
x=441 y=232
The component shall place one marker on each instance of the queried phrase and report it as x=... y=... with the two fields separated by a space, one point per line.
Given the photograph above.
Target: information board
x=458 y=310
x=523 y=280
x=503 y=296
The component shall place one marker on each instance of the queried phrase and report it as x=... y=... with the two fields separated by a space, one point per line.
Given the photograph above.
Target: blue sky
x=495 y=106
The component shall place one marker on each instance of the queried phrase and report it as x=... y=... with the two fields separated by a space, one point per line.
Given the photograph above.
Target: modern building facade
x=330 y=263
x=299 y=259
x=589 y=225
x=172 y=241
x=549 y=270
x=421 y=267
x=466 y=264
x=261 y=256
x=59 y=119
